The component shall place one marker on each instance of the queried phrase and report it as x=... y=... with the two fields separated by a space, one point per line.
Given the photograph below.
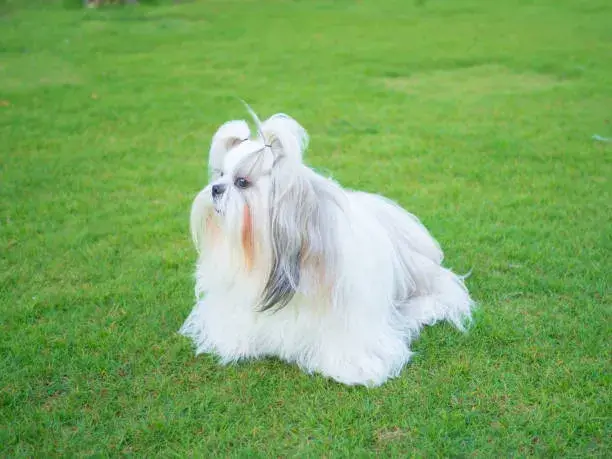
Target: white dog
x=292 y=265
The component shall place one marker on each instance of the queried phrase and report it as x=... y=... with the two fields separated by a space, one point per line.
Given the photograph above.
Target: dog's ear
x=302 y=236
x=227 y=137
x=286 y=137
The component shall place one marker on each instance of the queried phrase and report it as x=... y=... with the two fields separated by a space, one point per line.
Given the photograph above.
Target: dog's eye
x=241 y=182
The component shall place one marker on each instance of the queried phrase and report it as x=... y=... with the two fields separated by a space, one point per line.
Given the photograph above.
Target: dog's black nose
x=217 y=190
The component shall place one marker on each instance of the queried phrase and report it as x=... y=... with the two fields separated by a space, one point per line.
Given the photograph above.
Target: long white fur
x=369 y=275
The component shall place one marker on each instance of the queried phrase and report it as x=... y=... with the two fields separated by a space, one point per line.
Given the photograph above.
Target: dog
x=294 y=266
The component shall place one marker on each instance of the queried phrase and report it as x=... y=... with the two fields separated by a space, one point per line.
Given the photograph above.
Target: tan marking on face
x=247 y=237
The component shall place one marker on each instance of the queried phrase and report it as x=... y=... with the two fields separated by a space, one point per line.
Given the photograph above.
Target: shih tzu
x=293 y=265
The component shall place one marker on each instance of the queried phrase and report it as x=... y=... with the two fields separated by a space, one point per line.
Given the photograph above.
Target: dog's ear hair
x=301 y=235
x=227 y=137
x=285 y=136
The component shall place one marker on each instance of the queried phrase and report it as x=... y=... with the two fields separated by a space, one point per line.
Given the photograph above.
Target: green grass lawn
x=475 y=115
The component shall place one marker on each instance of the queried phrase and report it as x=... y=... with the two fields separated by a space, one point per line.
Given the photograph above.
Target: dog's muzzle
x=217 y=191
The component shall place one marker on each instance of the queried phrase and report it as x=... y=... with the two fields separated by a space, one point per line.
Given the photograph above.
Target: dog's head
x=263 y=203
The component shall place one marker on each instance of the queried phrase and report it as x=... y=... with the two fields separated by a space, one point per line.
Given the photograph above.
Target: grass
x=477 y=116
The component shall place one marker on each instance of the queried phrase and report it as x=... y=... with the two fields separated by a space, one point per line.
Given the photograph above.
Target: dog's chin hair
x=338 y=282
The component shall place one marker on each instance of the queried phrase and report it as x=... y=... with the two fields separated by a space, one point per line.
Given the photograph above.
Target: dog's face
x=238 y=195
x=242 y=180
x=259 y=215
x=240 y=185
